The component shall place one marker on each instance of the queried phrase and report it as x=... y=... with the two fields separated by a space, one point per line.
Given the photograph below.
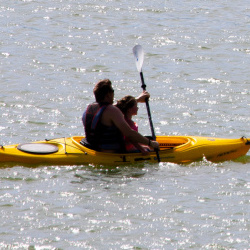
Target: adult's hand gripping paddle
x=139 y=57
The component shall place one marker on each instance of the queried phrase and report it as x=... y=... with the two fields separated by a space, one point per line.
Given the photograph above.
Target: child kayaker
x=128 y=106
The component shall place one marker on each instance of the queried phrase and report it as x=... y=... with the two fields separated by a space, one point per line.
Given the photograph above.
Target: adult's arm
x=118 y=120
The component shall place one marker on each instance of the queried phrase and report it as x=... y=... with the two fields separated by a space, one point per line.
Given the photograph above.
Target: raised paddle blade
x=139 y=57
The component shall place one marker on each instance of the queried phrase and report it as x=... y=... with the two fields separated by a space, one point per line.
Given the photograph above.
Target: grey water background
x=196 y=68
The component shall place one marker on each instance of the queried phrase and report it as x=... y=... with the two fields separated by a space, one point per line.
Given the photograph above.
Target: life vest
x=99 y=136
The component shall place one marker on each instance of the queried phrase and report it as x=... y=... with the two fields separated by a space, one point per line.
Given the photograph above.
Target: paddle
x=139 y=57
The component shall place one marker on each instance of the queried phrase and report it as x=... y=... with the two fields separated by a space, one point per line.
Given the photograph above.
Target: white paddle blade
x=139 y=56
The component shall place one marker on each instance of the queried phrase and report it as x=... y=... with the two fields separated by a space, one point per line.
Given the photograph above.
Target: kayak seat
x=85 y=143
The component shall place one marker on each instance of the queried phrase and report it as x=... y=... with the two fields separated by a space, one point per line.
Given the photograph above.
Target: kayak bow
x=176 y=149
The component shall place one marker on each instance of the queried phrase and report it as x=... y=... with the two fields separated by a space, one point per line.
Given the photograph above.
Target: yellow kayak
x=176 y=149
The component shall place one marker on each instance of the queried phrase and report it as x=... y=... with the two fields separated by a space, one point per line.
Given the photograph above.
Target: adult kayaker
x=105 y=126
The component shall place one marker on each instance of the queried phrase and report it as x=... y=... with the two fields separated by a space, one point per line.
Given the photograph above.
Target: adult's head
x=126 y=103
x=103 y=91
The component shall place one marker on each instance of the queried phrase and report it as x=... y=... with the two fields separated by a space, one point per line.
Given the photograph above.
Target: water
x=196 y=69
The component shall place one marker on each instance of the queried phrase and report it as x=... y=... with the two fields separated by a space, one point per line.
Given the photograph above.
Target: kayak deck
x=176 y=149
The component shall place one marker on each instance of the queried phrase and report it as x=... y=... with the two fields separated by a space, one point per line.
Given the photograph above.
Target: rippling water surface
x=196 y=68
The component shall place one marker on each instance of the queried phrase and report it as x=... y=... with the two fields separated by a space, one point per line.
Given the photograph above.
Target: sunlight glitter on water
x=51 y=55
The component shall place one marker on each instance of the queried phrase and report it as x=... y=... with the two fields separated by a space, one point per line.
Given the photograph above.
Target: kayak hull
x=176 y=149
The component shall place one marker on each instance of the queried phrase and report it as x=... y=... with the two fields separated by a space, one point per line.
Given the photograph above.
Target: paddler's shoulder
x=112 y=109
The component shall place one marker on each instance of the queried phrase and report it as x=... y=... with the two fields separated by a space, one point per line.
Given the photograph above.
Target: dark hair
x=126 y=103
x=102 y=88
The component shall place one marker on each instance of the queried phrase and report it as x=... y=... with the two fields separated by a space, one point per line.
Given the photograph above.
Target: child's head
x=126 y=103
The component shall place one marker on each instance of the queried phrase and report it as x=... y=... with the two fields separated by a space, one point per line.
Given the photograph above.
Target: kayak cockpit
x=166 y=142
x=171 y=142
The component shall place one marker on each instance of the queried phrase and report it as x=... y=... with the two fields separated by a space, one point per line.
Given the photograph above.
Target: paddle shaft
x=149 y=116
x=148 y=109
